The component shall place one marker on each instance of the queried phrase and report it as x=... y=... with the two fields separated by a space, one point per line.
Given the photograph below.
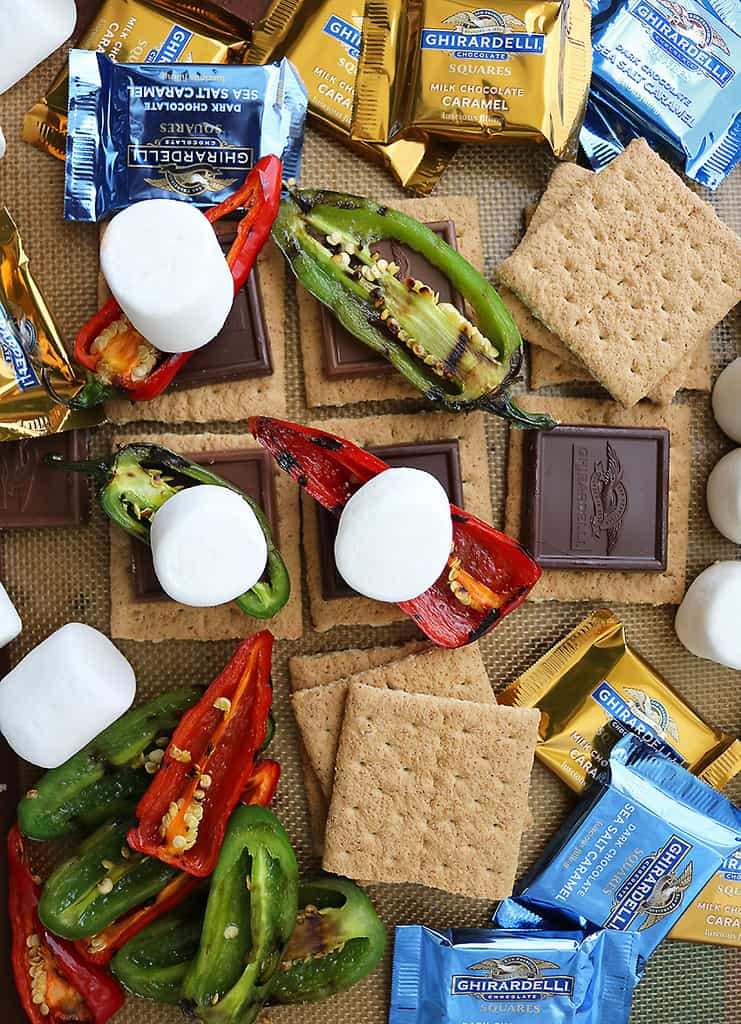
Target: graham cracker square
x=320 y=390
x=373 y=432
x=132 y=619
x=442 y=673
x=630 y=273
x=315 y=670
x=600 y=586
x=430 y=790
x=231 y=400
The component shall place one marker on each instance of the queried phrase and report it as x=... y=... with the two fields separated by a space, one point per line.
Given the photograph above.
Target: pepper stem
x=93 y=467
x=503 y=404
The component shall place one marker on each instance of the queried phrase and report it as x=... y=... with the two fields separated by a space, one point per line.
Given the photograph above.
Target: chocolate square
x=249 y=470
x=31 y=494
x=242 y=348
x=440 y=458
x=597 y=498
x=344 y=355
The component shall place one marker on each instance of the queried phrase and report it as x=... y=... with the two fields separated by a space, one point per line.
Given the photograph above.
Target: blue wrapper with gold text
x=470 y=975
x=671 y=72
x=633 y=856
x=174 y=131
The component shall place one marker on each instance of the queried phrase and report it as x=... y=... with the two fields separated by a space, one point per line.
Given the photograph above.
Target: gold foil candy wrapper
x=451 y=68
x=592 y=689
x=714 y=916
x=321 y=38
x=31 y=347
x=140 y=31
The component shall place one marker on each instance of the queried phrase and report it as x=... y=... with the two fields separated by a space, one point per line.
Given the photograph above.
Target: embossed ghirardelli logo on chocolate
x=17 y=475
x=609 y=498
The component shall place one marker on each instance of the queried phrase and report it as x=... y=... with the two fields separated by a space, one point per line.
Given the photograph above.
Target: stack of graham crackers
x=620 y=278
x=413 y=772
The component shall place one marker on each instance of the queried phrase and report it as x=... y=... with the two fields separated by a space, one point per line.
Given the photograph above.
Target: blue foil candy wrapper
x=473 y=976
x=174 y=131
x=669 y=71
x=634 y=854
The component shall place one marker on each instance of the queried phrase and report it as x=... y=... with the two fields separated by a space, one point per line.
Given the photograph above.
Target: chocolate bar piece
x=242 y=349
x=249 y=470
x=31 y=494
x=344 y=355
x=597 y=498
x=440 y=458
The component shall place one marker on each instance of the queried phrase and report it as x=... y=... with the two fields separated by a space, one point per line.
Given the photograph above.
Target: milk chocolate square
x=344 y=355
x=441 y=458
x=242 y=348
x=597 y=498
x=250 y=471
x=31 y=494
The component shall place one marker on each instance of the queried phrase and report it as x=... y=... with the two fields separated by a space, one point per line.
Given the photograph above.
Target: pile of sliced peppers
x=456 y=364
x=488 y=574
x=54 y=982
x=138 y=479
x=119 y=361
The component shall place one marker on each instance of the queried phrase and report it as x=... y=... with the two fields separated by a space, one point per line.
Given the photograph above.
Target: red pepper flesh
x=70 y=989
x=488 y=574
x=262 y=784
x=260 y=197
x=183 y=815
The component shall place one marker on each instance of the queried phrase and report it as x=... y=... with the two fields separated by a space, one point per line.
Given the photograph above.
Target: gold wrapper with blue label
x=453 y=68
x=322 y=40
x=31 y=349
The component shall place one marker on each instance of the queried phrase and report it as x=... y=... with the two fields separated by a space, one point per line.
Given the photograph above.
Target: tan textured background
x=59 y=575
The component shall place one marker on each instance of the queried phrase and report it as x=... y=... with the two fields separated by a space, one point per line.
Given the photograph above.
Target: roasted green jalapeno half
x=138 y=479
x=100 y=883
x=338 y=940
x=108 y=774
x=328 y=239
x=250 y=917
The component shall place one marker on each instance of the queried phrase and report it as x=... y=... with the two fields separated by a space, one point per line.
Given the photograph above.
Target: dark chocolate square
x=597 y=498
x=31 y=494
x=242 y=349
x=441 y=458
x=345 y=356
x=250 y=471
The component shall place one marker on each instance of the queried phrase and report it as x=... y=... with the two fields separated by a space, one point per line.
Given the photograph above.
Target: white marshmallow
x=64 y=693
x=2 y=144
x=727 y=400
x=707 y=621
x=724 y=496
x=31 y=30
x=10 y=620
x=394 y=535
x=164 y=265
x=207 y=546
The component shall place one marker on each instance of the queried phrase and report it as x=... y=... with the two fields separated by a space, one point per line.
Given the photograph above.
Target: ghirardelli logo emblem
x=513 y=978
x=653 y=712
x=484 y=20
x=695 y=27
x=654 y=889
x=609 y=498
x=666 y=896
x=191 y=183
x=17 y=479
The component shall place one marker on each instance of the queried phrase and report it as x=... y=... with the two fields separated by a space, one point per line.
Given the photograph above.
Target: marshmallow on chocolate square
x=166 y=269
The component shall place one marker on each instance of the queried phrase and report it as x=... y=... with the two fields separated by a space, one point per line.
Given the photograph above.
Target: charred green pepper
x=327 y=237
x=250 y=916
x=108 y=774
x=138 y=479
x=338 y=940
x=154 y=963
x=99 y=884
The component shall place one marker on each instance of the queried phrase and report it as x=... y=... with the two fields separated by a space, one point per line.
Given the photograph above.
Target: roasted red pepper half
x=488 y=574
x=183 y=815
x=124 y=364
x=260 y=789
x=54 y=982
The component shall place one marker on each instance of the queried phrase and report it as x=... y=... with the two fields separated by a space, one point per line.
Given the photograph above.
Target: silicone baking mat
x=59 y=575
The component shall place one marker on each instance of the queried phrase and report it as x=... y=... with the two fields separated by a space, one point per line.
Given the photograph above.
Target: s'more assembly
x=370 y=511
